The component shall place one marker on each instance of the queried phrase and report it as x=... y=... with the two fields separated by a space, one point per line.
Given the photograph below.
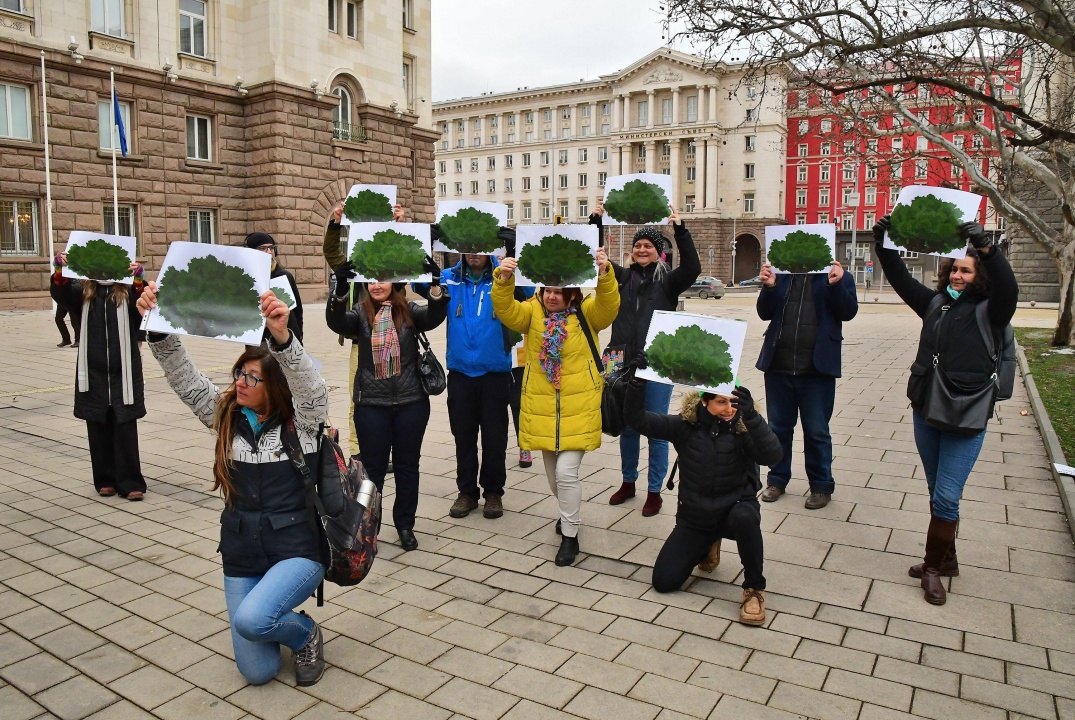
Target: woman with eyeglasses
x=270 y=553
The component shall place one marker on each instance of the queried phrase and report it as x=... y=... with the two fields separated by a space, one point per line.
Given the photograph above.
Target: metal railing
x=348 y=131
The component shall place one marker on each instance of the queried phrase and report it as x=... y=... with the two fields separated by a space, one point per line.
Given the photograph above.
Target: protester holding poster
x=265 y=243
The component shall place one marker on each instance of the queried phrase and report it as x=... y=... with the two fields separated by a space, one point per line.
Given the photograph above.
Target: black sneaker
x=310 y=660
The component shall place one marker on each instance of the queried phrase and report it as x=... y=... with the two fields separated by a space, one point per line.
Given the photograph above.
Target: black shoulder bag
x=430 y=370
x=614 y=391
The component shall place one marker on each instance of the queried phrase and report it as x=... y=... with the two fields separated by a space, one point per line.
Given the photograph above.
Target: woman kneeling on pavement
x=271 y=555
x=720 y=442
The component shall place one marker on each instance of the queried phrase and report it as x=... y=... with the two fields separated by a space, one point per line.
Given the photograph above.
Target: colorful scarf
x=385 y=343
x=552 y=346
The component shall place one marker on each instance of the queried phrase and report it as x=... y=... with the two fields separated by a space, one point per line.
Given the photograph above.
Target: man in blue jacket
x=800 y=357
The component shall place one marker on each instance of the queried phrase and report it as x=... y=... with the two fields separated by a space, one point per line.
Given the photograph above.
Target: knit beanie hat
x=256 y=239
x=654 y=235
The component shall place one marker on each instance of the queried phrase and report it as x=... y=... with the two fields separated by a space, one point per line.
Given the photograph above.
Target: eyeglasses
x=250 y=379
x=267 y=249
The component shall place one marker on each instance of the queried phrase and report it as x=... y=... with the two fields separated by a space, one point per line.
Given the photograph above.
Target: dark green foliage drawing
x=691 y=357
x=470 y=231
x=283 y=296
x=639 y=202
x=513 y=337
x=210 y=298
x=99 y=260
x=927 y=225
x=367 y=206
x=557 y=261
x=389 y=256
x=800 y=252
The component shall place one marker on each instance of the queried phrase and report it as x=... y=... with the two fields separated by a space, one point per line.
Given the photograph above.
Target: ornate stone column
x=699 y=173
x=712 y=103
x=677 y=175
x=675 y=106
x=617 y=114
x=651 y=156
x=712 y=155
x=651 y=110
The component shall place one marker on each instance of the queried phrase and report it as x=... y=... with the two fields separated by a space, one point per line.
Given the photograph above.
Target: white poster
x=638 y=199
x=927 y=219
x=800 y=248
x=389 y=252
x=368 y=203
x=470 y=227
x=556 y=255
x=211 y=291
x=101 y=257
x=700 y=351
x=282 y=289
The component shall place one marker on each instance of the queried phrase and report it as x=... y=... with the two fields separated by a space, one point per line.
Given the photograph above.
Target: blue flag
x=119 y=124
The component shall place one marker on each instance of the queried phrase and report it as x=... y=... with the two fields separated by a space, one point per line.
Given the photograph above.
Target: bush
x=927 y=225
x=283 y=296
x=637 y=203
x=470 y=231
x=800 y=252
x=99 y=260
x=367 y=206
x=557 y=262
x=692 y=357
x=389 y=256
x=210 y=298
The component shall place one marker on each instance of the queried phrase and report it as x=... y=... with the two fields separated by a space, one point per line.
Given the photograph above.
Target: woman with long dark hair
x=270 y=553
x=391 y=407
x=951 y=340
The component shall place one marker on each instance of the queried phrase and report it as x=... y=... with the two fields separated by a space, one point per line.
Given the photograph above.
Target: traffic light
x=558 y=220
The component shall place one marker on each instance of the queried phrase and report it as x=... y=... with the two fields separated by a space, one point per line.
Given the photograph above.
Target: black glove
x=639 y=361
x=973 y=233
x=743 y=402
x=880 y=228
x=433 y=268
x=343 y=276
x=434 y=232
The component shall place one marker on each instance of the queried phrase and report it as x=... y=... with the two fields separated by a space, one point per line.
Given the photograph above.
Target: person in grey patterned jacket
x=270 y=552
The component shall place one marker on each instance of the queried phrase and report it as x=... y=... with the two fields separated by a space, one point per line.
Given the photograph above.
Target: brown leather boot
x=626 y=492
x=939 y=538
x=712 y=558
x=949 y=566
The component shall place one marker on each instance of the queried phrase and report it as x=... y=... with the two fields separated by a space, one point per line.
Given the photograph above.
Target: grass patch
x=1054 y=374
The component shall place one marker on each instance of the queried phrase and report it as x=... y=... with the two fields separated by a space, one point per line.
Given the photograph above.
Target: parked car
x=706 y=287
x=752 y=282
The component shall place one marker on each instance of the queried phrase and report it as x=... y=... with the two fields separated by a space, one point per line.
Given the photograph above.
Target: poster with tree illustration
x=927 y=219
x=701 y=351
x=556 y=255
x=638 y=199
x=800 y=248
x=368 y=203
x=97 y=256
x=211 y=291
x=283 y=291
x=389 y=252
x=470 y=227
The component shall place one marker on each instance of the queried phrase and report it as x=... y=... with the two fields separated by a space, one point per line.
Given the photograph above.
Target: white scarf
x=124 y=350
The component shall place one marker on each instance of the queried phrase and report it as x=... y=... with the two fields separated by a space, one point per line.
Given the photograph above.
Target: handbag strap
x=589 y=338
x=424 y=341
x=314 y=508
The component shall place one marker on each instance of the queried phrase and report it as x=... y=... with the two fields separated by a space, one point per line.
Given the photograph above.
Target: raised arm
x=1004 y=289
x=339 y=319
x=330 y=246
x=911 y=291
x=309 y=392
x=650 y=424
x=600 y=309
x=195 y=390
x=762 y=444
x=690 y=266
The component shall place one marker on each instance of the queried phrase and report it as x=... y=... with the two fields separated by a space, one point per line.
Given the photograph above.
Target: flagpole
x=115 y=185
x=48 y=172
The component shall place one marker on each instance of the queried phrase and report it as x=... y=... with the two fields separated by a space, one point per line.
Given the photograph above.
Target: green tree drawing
x=210 y=298
x=637 y=203
x=691 y=356
x=389 y=256
x=367 y=206
x=927 y=225
x=557 y=261
x=283 y=296
x=800 y=252
x=470 y=231
x=99 y=259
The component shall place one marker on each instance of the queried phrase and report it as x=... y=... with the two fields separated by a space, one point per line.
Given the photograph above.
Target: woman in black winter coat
x=391 y=407
x=950 y=338
x=720 y=442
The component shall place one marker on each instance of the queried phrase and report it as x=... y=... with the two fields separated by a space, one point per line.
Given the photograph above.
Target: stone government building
x=240 y=115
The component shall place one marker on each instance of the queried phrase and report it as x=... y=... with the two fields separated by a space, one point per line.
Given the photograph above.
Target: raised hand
x=344 y=273
x=836 y=272
x=973 y=233
x=397 y=213
x=767 y=276
x=337 y=214
x=602 y=261
x=433 y=268
x=508 y=265
x=148 y=299
x=673 y=219
x=880 y=228
x=275 y=312
x=743 y=401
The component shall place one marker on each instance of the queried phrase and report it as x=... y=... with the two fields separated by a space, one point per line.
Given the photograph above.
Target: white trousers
x=562 y=471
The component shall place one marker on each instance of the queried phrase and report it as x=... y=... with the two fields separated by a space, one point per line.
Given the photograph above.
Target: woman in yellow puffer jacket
x=561 y=392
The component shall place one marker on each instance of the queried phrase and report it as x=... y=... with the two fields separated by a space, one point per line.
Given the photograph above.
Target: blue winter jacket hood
x=477 y=342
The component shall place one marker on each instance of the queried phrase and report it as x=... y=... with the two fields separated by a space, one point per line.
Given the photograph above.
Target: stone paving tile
x=76 y=698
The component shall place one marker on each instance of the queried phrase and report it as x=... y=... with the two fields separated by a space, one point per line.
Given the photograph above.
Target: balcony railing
x=348 y=131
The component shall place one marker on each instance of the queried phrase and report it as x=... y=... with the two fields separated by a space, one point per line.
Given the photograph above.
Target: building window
x=871 y=146
x=848 y=222
x=526 y=183
x=443 y=189
x=565 y=133
x=666 y=112
x=526 y=211
x=826 y=148
x=199 y=138
x=823 y=196
x=341 y=115
x=692 y=173
x=800 y=198
x=477 y=142
x=491 y=186
x=473 y=187
x=442 y=167
x=867 y=221
x=444 y=145
x=104 y=123
x=897 y=145
x=545 y=211
x=752 y=114
x=871 y=197
x=546 y=115
x=957 y=171
x=508 y=187
x=849 y=174
x=202 y=226
x=606 y=129
x=461 y=143
x=847 y=196
x=18 y=227
x=602 y=154
x=920 y=167
x=511 y=137
x=803 y=150
x=333 y=16
x=106 y=16
x=804 y=127
x=474 y=164
x=15 y=112
x=459 y=166
x=826 y=126
x=509 y=161
x=822 y=218
x=584 y=208
x=511 y=120
x=565 y=113
x=563 y=182
x=459 y=188
x=666 y=149
x=751 y=143
x=546 y=134
x=689 y=204
x=976 y=142
x=406 y=69
x=544 y=158
x=692 y=108
x=641 y=152
x=801 y=174
x=582 y=180
x=871 y=172
x=907 y=253
x=643 y=112
x=544 y=182
x=824 y=173
x=748 y=171
x=563 y=157
x=192 y=27
x=602 y=178
x=352 y=20
x=407 y=10
x=922 y=143
x=800 y=219
x=494 y=122
x=748 y=202
x=526 y=160
x=511 y=211
x=530 y=116
x=564 y=209
x=491 y=161
x=584 y=154
x=585 y=111
x=528 y=136
x=127 y=221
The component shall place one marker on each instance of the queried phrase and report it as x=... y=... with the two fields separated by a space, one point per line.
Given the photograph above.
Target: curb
x=1064 y=483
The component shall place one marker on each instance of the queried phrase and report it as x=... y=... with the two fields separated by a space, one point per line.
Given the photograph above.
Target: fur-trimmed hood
x=692 y=403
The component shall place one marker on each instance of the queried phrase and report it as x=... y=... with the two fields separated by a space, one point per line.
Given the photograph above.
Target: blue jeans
x=261 y=612
x=658 y=395
x=947 y=459
x=810 y=397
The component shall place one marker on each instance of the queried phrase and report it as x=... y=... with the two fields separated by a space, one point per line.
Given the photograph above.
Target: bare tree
x=1009 y=67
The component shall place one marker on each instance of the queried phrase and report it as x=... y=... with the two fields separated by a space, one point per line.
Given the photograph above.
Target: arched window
x=341 y=116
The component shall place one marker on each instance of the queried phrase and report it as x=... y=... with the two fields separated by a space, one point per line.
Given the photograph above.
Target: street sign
x=852 y=200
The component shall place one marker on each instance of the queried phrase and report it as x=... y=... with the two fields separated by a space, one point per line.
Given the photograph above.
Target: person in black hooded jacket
x=266 y=243
x=720 y=442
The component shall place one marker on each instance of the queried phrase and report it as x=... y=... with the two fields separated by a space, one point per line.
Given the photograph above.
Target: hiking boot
x=653 y=504
x=494 y=507
x=310 y=660
x=752 y=611
x=463 y=505
x=712 y=559
x=526 y=459
x=816 y=500
x=626 y=492
x=771 y=493
x=569 y=550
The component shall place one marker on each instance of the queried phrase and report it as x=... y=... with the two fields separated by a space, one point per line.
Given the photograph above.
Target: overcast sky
x=500 y=45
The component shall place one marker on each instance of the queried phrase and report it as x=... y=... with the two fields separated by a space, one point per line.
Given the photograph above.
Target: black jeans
x=76 y=323
x=516 y=397
x=397 y=431
x=809 y=398
x=686 y=547
x=479 y=404
x=114 y=455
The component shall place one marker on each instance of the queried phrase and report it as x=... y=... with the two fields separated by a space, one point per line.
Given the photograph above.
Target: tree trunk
x=1065 y=265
